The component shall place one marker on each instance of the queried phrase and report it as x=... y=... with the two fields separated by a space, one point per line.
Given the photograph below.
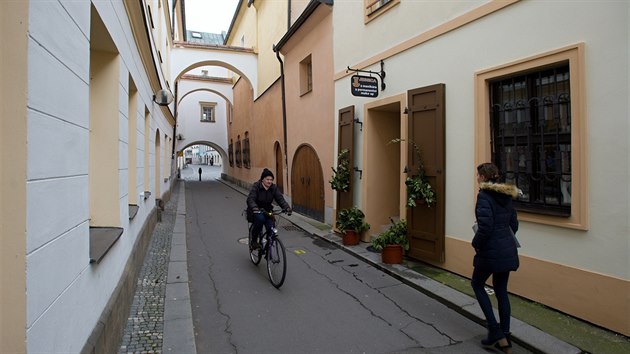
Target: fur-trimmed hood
x=502 y=188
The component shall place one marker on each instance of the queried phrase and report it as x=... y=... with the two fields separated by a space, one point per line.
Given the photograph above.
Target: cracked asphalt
x=331 y=302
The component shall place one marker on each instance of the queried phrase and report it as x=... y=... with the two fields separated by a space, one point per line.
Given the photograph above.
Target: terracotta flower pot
x=392 y=254
x=350 y=238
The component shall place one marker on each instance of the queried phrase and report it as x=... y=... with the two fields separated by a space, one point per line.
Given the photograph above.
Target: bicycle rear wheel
x=276 y=262
x=254 y=254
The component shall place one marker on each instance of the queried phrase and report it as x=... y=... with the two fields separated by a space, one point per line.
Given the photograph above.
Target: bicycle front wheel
x=276 y=262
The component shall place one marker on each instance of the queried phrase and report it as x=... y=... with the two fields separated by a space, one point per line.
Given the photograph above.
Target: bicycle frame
x=273 y=250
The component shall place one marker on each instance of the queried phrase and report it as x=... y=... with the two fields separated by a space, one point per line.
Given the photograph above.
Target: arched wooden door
x=307 y=184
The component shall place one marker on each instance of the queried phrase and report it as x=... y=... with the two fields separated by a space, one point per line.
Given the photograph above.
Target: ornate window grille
x=239 y=159
x=246 y=159
x=231 y=154
x=530 y=118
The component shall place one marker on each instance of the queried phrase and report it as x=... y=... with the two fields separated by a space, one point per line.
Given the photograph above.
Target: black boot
x=495 y=336
x=505 y=348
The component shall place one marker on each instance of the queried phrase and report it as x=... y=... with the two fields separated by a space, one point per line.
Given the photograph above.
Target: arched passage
x=241 y=61
x=217 y=148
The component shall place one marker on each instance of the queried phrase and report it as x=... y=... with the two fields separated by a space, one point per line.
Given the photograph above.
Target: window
x=238 y=157
x=306 y=76
x=375 y=8
x=530 y=118
x=246 y=160
x=231 y=153
x=207 y=112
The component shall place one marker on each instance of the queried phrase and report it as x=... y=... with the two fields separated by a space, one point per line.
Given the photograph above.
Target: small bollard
x=159 y=203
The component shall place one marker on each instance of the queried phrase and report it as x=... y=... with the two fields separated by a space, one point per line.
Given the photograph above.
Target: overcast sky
x=211 y=16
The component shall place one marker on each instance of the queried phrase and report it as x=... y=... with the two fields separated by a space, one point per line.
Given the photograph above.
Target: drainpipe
x=284 y=114
x=175 y=125
x=289 y=16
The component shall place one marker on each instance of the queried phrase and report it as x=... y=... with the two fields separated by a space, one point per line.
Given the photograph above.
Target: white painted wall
x=522 y=30
x=65 y=294
x=188 y=117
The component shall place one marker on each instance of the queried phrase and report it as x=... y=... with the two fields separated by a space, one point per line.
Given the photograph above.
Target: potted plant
x=341 y=176
x=350 y=222
x=392 y=242
x=419 y=190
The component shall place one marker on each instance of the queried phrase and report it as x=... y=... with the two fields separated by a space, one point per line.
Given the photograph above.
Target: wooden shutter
x=346 y=141
x=426 y=113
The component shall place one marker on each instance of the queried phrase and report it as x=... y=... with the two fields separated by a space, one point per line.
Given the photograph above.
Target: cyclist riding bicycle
x=261 y=196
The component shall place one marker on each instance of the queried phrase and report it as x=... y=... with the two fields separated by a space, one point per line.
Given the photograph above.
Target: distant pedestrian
x=211 y=161
x=495 y=251
x=199 y=173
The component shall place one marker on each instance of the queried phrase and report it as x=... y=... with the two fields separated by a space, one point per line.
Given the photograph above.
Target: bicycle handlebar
x=269 y=213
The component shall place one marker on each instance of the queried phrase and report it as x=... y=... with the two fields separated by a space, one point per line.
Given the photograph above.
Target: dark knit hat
x=266 y=173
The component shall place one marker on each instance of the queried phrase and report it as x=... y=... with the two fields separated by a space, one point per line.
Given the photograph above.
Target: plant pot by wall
x=350 y=238
x=392 y=254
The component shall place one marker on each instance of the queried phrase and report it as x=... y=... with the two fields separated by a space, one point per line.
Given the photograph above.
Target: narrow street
x=331 y=302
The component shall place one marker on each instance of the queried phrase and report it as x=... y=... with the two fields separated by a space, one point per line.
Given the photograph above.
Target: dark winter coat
x=494 y=244
x=261 y=198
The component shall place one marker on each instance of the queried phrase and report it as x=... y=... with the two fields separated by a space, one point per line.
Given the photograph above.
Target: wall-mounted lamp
x=163 y=97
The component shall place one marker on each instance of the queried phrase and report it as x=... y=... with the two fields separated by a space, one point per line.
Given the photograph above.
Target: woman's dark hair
x=489 y=171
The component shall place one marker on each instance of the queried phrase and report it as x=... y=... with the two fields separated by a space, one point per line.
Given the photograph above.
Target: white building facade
x=93 y=155
x=482 y=55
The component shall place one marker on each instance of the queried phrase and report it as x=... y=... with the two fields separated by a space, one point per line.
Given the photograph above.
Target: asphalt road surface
x=330 y=302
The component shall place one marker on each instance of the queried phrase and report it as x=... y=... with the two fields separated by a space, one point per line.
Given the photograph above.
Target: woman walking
x=495 y=251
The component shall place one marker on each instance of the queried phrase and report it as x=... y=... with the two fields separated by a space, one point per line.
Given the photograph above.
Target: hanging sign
x=364 y=86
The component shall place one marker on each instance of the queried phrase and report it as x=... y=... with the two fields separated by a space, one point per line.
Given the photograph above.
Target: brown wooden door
x=346 y=141
x=426 y=115
x=279 y=170
x=307 y=183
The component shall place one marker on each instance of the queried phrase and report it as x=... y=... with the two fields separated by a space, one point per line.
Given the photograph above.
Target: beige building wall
x=259 y=27
x=13 y=118
x=311 y=116
x=261 y=121
x=259 y=118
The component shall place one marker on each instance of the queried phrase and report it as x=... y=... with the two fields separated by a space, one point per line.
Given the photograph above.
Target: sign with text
x=364 y=86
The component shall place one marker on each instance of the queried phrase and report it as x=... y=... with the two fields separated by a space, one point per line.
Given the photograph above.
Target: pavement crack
x=410 y=315
x=219 y=305
x=357 y=299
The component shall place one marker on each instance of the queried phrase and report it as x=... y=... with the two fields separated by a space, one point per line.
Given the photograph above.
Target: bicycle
x=272 y=249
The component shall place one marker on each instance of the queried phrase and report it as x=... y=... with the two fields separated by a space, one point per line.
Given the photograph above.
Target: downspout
x=174 y=157
x=289 y=16
x=284 y=114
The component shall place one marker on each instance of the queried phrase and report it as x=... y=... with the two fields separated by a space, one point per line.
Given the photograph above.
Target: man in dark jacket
x=495 y=251
x=261 y=196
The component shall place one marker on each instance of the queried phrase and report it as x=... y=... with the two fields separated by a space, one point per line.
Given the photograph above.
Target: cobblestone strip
x=144 y=332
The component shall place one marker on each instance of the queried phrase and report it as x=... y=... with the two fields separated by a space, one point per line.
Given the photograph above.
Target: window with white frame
x=375 y=8
x=306 y=75
x=208 y=112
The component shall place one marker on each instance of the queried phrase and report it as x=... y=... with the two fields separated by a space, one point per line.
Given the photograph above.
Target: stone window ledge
x=133 y=210
x=101 y=241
